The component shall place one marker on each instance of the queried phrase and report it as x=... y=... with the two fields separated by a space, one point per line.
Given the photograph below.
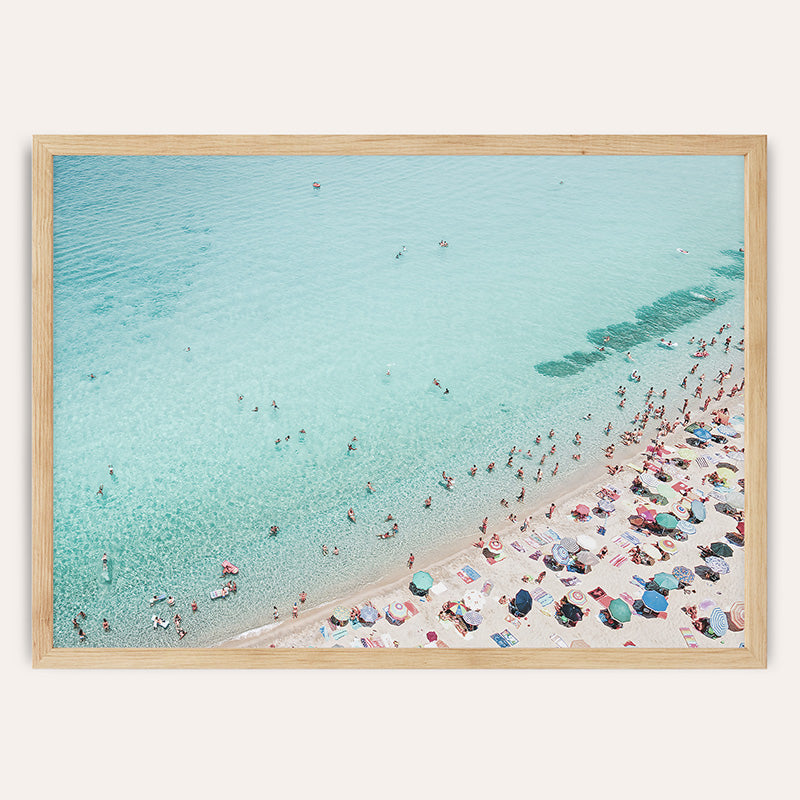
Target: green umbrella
x=422 y=580
x=619 y=610
x=666 y=581
x=720 y=549
x=667 y=522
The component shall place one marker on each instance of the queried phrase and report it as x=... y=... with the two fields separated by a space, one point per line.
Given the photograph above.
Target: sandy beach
x=520 y=565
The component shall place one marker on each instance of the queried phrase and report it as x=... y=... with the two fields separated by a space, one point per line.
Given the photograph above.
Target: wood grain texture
x=752 y=148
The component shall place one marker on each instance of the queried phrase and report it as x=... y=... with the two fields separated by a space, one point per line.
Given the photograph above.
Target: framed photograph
x=399 y=401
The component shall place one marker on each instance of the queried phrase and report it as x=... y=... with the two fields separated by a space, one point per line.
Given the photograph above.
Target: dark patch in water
x=663 y=316
x=734 y=272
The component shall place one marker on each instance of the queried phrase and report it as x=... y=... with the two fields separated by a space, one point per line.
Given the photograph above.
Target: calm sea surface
x=182 y=283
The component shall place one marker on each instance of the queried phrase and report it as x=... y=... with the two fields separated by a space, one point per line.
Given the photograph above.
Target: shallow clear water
x=283 y=292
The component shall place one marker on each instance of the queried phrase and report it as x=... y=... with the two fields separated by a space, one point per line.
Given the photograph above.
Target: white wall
x=411 y=67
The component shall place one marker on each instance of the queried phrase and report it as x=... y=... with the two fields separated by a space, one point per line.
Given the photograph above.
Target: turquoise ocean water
x=181 y=283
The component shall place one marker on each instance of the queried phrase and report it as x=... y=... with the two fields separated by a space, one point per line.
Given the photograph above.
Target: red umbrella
x=582 y=510
x=740 y=527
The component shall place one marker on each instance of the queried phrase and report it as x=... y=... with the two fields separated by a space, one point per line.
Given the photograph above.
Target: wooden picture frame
x=753 y=151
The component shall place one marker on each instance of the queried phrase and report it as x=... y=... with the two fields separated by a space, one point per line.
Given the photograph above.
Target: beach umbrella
x=727 y=430
x=473 y=618
x=727 y=475
x=582 y=510
x=718 y=622
x=667 y=522
x=368 y=614
x=685 y=453
x=736 y=455
x=655 y=601
x=735 y=500
x=737 y=423
x=571 y=612
x=650 y=481
x=726 y=465
x=736 y=616
x=459 y=609
x=619 y=610
x=398 y=612
x=669 y=494
x=473 y=600
x=577 y=597
x=341 y=614
x=668 y=545
x=570 y=544
x=680 y=511
x=523 y=603
x=698 y=510
x=606 y=507
x=494 y=546
x=586 y=558
x=422 y=580
x=740 y=527
x=660 y=499
x=717 y=564
x=560 y=554
x=686 y=527
x=683 y=574
x=702 y=434
x=720 y=549
x=646 y=514
x=586 y=541
x=665 y=581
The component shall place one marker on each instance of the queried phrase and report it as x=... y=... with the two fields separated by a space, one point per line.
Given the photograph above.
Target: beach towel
x=626 y=597
x=554 y=637
x=355 y=623
x=471 y=572
x=704 y=462
x=620 y=542
x=579 y=643
x=597 y=593
x=412 y=608
x=341 y=632
x=487 y=588
x=641 y=581
x=536 y=540
x=500 y=640
x=547 y=611
x=386 y=640
x=552 y=536
x=572 y=581
x=618 y=560
x=464 y=577
x=536 y=555
x=515 y=621
x=438 y=588
x=518 y=547
x=630 y=537
x=510 y=638
x=324 y=632
x=681 y=486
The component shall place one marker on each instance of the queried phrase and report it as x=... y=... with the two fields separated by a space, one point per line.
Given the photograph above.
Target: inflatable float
x=157 y=598
x=217 y=593
x=157 y=621
x=700 y=354
x=229 y=569
x=670 y=344
x=316 y=185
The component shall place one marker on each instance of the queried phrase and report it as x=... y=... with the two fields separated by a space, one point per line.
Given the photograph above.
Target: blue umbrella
x=718 y=622
x=368 y=614
x=655 y=601
x=698 y=510
x=726 y=430
x=702 y=434
x=560 y=554
x=523 y=603
x=686 y=527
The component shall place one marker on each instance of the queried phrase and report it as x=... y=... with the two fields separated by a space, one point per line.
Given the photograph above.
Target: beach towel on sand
x=515 y=621
x=464 y=577
x=438 y=588
x=510 y=638
x=487 y=588
x=500 y=640
x=554 y=637
x=518 y=547
x=617 y=561
x=688 y=636
x=413 y=610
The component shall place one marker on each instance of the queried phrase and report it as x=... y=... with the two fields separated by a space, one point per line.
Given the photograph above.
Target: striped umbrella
x=495 y=546
x=650 y=481
x=570 y=544
x=368 y=614
x=717 y=564
x=736 y=616
x=577 y=597
x=473 y=618
x=606 y=506
x=718 y=622
x=586 y=558
x=341 y=614
x=586 y=541
x=680 y=511
x=668 y=545
x=655 y=601
x=619 y=610
x=560 y=554
x=458 y=609
x=686 y=527
x=683 y=574
x=398 y=612
x=665 y=581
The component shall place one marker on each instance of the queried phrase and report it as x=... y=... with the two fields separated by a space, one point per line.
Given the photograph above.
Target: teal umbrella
x=667 y=522
x=422 y=580
x=720 y=549
x=619 y=610
x=665 y=581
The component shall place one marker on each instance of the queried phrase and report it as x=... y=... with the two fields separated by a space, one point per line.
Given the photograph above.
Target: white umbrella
x=735 y=499
x=650 y=481
x=473 y=600
x=586 y=541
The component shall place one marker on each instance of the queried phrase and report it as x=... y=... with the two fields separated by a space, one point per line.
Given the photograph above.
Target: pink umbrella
x=582 y=510
x=495 y=546
x=646 y=513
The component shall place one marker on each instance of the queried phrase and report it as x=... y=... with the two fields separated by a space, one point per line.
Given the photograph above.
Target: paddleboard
x=158 y=598
x=217 y=593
